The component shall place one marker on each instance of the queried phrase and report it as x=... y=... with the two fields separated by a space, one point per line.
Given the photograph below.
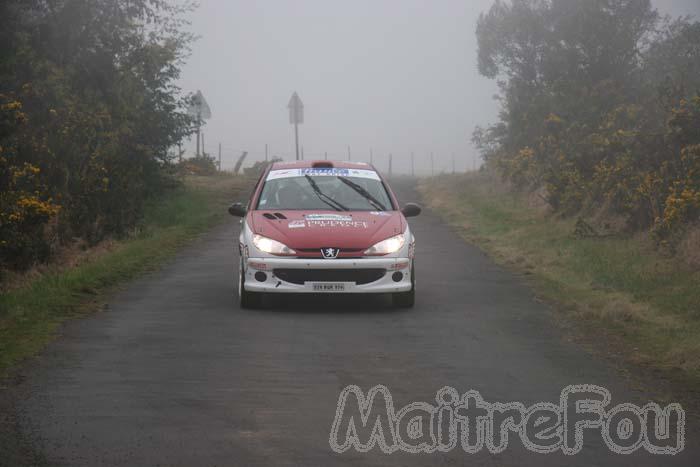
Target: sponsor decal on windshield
x=322 y=172
x=327 y=172
x=275 y=174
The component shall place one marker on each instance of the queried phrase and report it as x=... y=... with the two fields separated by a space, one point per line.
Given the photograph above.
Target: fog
x=393 y=77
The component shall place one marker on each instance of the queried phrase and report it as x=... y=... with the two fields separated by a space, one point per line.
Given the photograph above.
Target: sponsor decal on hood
x=320 y=229
x=327 y=221
x=327 y=217
x=331 y=224
x=333 y=220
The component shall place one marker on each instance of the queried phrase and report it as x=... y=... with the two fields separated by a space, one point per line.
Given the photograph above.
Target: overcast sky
x=394 y=76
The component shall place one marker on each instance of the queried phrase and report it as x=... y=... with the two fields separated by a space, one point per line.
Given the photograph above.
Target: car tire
x=406 y=299
x=246 y=299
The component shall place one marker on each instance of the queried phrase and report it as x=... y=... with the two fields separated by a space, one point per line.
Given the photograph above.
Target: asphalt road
x=172 y=372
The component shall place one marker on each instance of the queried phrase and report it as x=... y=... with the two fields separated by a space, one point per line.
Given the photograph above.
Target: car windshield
x=324 y=189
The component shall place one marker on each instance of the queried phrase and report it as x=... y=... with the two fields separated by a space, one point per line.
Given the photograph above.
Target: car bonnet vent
x=280 y=215
x=267 y=215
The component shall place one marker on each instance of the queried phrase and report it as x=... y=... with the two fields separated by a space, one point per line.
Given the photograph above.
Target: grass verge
x=647 y=302
x=30 y=314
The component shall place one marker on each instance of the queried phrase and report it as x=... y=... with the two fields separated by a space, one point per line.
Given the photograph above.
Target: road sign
x=296 y=110
x=296 y=117
x=199 y=107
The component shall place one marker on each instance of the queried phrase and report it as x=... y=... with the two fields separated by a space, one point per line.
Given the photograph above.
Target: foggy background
x=394 y=76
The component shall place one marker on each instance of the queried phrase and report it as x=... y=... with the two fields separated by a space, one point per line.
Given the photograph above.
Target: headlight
x=273 y=247
x=388 y=246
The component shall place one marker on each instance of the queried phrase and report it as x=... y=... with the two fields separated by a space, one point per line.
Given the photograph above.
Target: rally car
x=325 y=227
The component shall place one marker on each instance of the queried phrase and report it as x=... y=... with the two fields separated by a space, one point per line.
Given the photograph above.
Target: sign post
x=199 y=109
x=296 y=117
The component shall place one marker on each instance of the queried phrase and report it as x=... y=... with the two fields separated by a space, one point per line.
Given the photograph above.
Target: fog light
x=260 y=276
x=400 y=265
x=258 y=266
x=397 y=276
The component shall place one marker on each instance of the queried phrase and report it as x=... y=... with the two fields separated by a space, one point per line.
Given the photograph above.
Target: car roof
x=309 y=164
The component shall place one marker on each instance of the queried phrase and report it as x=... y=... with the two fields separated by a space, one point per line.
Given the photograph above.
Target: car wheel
x=249 y=300
x=406 y=299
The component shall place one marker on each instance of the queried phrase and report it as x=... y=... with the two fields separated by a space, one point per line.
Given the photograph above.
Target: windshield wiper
x=324 y=197
x=364 y=193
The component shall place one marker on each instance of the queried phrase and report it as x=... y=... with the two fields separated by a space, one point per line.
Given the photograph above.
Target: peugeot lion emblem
x=330 y=253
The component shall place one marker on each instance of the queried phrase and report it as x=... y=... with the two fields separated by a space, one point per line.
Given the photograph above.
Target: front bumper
x=274 y=284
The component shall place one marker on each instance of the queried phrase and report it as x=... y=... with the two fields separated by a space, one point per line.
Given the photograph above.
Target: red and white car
x=325 y=227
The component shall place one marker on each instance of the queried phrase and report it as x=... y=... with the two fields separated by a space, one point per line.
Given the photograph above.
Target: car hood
x=307 y=230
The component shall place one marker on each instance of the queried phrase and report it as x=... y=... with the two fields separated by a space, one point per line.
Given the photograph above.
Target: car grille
x=345 y=250
x=358 y=276
x=345 y=253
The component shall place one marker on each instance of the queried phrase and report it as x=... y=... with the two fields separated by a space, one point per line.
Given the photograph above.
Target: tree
x=594 y=94
x=89 y=103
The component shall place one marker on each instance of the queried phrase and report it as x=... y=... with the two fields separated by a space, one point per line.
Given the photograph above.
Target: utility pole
x=349 y=154
x=296 y=138
x=199 y=132
x=391 y=163
x=265 y=152
x=413 y=165
x=432 y=164
x=219 y=157
x=203 y=150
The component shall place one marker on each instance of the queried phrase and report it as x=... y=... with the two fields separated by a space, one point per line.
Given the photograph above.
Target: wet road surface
x=172 y=372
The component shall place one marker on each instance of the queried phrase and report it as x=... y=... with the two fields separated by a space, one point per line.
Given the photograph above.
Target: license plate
x=328 y=287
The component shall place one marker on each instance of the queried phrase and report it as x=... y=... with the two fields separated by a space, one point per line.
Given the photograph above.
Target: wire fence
x=399 y=163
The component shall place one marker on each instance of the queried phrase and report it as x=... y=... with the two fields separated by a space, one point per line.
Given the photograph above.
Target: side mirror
x=237 y=209
x=411 y=210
